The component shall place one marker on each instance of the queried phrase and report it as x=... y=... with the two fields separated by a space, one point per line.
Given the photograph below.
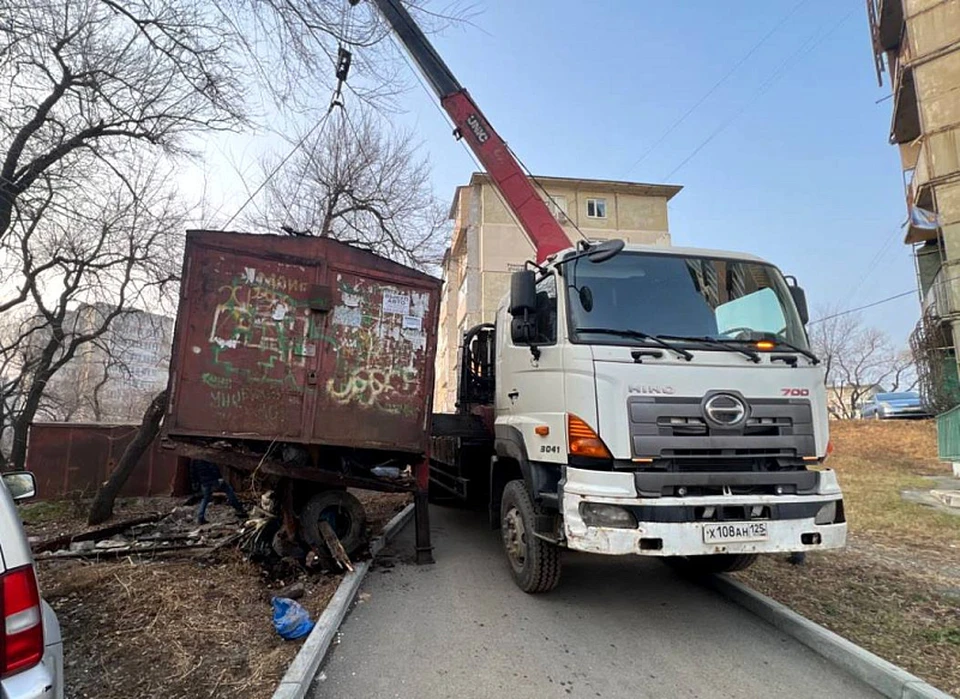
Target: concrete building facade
x=113 y=378
x=917 y=43
x=487 y=245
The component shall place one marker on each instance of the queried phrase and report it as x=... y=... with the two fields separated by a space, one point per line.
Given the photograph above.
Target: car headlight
x=597 y=514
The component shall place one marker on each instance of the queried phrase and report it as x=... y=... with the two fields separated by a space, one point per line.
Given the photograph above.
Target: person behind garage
x=207 y=475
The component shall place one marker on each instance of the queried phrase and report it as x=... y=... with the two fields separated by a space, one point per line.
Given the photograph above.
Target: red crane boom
x=539 y=224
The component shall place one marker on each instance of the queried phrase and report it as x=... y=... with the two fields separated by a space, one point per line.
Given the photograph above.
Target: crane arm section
x=539 y=224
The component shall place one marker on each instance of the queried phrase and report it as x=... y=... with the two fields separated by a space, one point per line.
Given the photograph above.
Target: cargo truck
x=631 y=400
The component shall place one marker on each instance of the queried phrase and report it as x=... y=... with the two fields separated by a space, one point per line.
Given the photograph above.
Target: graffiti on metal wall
x=260 y=338
x=264 y=339
x=380 y=337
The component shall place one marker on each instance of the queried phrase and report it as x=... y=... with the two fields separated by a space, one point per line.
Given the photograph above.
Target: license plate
x=730 y=532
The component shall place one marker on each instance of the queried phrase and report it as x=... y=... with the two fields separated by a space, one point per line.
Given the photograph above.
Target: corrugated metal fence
x=75 y=458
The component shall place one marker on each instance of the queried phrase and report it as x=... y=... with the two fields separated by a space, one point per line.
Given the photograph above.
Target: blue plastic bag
x=290 y=619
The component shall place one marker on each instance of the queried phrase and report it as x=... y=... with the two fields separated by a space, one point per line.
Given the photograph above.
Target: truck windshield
x=681 y=297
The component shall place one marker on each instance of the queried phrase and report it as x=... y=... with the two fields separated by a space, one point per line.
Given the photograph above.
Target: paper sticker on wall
x=351 y=317
x=412 y=323
x=396 y=303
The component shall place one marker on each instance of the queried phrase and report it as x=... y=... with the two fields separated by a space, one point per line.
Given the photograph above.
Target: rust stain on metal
x=302 y=340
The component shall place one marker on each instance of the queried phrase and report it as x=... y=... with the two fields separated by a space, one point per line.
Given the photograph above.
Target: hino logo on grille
x=653 y=390
x=725 y=409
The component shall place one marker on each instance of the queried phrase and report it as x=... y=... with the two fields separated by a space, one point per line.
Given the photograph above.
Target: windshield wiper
x=753 y=356
x=636 y=334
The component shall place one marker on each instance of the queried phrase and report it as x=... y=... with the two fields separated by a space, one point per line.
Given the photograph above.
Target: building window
x=596 y=208
x=557 y=203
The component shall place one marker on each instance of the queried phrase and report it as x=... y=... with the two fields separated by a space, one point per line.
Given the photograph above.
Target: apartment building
x=917 y=44
x=488 y=244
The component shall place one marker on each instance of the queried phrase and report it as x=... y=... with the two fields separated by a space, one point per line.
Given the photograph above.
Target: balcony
x=905 y=126
x=886 y=23
x=940 y=299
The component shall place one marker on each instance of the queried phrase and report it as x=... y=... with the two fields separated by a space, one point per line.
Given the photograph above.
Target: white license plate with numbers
x=732 y=532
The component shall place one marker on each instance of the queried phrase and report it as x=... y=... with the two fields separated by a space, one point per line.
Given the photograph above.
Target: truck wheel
x=698 y=566
x=343 y=512
x=534 y=563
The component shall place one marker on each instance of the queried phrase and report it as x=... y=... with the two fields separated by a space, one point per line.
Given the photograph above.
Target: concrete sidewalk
x=616 y=627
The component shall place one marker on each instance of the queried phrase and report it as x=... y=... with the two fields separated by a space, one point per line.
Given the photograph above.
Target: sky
x=788 y=158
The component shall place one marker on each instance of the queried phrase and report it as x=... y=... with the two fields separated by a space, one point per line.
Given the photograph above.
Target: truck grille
x=677 y=435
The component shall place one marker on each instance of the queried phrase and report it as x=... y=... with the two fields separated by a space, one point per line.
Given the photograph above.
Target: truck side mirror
x=21 y=484
x=800 y=300
x=523 y=306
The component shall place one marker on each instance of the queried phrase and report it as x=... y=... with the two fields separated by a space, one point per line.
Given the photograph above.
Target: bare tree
x=102 y=507
x=98 y=98
x=120 y=251
x=858 y=360
x=361 y=182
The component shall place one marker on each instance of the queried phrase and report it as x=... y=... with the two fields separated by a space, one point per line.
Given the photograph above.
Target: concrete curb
x=299 y=676
x=888 y=679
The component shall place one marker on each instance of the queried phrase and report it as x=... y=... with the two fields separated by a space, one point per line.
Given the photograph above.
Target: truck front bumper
x=675 y=526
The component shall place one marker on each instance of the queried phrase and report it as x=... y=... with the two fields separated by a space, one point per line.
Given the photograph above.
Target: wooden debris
x=63 y=541
x=336 y=548
x=120 y=552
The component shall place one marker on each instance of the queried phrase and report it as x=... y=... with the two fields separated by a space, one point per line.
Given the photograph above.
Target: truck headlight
x=827 y=514
x=597 y=514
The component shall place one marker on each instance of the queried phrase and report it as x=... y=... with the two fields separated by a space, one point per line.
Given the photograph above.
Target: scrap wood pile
x=177 y=534
x=173 y=533
x=191 y=620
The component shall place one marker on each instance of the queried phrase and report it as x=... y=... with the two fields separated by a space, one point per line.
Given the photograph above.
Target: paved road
x=615 y=627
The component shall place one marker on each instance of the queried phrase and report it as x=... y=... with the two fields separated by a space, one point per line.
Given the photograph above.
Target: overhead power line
x=716 y=86
x=869 y=305
x=319 y=125
x=812 y=42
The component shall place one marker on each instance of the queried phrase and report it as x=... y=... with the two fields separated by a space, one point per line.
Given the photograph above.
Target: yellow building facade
x=917 y=44
x=487 y=244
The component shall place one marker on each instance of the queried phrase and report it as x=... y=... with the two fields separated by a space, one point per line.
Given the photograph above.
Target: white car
x=31 y=650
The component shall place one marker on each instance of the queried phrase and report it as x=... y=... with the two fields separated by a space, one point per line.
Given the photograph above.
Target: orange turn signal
x=766 y=345
x=583 y=441
x=542 y=430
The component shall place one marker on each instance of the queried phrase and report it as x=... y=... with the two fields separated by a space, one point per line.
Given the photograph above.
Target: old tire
x=344 y=513
x=534 y=563
x=698 y=566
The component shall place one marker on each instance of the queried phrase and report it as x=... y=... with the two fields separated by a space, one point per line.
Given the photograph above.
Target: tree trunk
x=102 y=508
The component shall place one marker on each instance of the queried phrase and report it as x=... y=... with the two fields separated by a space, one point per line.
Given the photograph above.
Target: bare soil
x=895 y=589
x=184 y=626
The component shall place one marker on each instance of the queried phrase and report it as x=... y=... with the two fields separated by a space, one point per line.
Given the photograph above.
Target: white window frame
x=557 y=203
x=598 y=204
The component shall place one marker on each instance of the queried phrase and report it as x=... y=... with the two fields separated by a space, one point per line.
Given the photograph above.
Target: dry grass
x=875 y=461
x=171 y=629
x=175 y=628
x=49 y=518
x=895 y=590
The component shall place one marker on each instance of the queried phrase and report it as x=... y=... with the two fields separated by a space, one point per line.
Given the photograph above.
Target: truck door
x=530 y=388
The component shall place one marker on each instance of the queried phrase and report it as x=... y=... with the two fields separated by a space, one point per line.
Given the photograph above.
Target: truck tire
x=698 y=566
x=344 y=513
x=534 y=563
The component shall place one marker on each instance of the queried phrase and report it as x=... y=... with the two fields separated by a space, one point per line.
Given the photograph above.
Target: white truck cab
x=659 y=402
x=31 y=650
